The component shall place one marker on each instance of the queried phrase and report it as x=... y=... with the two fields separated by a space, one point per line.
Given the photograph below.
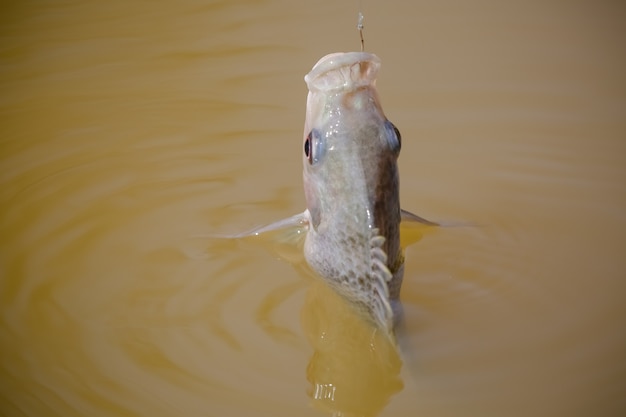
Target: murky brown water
x=131 y=130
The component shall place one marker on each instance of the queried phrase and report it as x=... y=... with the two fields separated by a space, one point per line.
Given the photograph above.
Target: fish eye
x=398 y=135
x=313 y=146
x=307 y=147
x=395 y=139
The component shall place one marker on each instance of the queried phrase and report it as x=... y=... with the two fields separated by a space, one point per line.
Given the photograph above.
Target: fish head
x=350 y=174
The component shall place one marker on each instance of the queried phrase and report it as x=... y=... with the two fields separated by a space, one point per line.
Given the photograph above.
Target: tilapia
x=353 y=214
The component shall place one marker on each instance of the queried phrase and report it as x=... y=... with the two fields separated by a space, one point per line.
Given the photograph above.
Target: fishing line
x=359 y=26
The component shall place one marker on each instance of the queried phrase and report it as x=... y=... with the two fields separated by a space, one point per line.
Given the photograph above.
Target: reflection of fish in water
x=351 y=185
x=354 y=369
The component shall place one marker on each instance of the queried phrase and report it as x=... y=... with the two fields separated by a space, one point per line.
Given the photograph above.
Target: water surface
x=130 y=131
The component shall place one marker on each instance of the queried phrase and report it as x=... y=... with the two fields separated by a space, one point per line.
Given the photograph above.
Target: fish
x=351 y=186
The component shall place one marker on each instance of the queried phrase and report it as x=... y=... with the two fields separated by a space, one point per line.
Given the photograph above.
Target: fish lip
x=343 y=71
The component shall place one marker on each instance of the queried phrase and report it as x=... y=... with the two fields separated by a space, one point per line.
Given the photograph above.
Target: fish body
x=350 y=174
x=351 y=184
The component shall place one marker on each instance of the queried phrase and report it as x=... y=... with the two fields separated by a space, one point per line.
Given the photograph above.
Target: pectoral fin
x=299 y=222
x=407 y=216
x=285 y=236
x=412 y=228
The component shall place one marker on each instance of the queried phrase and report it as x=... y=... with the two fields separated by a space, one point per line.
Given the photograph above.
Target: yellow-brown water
x=131 y=130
